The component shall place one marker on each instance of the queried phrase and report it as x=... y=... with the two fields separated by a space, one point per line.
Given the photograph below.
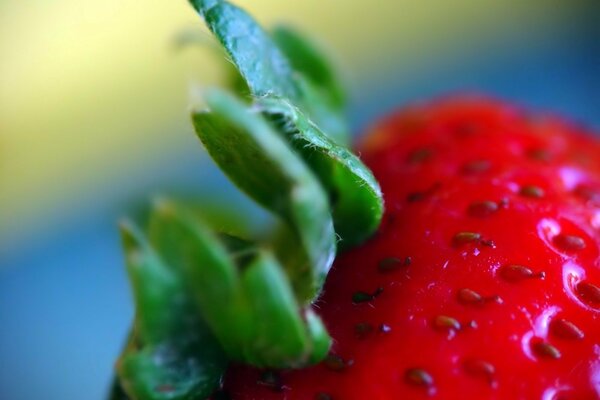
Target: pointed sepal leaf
x=209 y=271
x=323 y=95
x=279 y=333
x=242 y=291
x=356 y=196
x=171 y=353
x=260 y=62
x=311 y=61
x=267 y=69
x=260 y=162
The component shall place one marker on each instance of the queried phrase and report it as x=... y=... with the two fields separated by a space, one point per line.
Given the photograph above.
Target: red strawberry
x=484 y=278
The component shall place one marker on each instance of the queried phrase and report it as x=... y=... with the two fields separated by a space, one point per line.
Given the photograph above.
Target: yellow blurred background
x=93 y=117
x=91 y=90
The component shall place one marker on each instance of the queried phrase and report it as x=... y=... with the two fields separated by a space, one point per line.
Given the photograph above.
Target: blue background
x=64 y=301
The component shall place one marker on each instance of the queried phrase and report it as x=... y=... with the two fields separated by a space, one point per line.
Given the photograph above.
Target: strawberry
x=480 y=280
x=483 y=280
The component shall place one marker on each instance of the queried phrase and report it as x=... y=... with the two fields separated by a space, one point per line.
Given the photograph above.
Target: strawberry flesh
x=483 y=280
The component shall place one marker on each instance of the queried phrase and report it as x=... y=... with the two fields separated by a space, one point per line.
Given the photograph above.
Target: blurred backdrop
x=93 y=120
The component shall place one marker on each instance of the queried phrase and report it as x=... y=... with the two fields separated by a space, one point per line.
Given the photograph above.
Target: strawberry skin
x=483 y=280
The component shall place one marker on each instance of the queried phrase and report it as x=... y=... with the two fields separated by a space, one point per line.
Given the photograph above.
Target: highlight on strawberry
x=480 y=279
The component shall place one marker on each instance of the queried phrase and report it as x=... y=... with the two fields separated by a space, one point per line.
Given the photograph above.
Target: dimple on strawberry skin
x=479 y=279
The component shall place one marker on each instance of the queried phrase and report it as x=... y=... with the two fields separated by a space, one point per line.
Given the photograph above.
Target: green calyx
x=203 y=297
x=171 y=353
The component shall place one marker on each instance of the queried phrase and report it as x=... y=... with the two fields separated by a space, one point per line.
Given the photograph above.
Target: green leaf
x=242 y=291
x=259 y=61
x=268 y=71
x=280 y=338
x=311 y=101
x=323 y=94
x=171 y=354
x=356 y=195
x=312 y=62
x=320 y=339
x=209 y=272
x=205 y=296
x=259 y=161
